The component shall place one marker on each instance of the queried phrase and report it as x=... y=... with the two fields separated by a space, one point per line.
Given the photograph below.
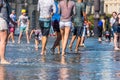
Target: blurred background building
x=111 y=6
x=107 y=6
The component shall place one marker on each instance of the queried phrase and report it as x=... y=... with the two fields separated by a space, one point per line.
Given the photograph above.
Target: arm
x=59 y=10
x=38 y=6
x=84 y=12
x=53 y=9
x=28 y=24
x=18 y=22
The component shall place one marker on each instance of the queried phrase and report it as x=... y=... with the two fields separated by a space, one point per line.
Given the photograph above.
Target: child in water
x=37 y=35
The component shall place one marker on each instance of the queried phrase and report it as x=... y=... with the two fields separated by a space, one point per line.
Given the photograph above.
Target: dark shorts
x=55 y=25
x=45 y=27
x=79 y=31
x=118 y=29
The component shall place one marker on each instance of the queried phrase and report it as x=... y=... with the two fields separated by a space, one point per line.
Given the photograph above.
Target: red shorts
x=12 y=29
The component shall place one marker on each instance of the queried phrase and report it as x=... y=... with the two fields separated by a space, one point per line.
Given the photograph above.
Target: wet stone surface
x=97 y=61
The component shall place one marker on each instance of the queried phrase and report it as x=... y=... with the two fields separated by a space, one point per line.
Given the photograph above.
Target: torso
x=66 y=10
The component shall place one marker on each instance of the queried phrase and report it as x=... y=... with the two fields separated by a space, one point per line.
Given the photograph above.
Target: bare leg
x=82 y=41
x=27 y=37
x=65 y=40
x=3 y=42
x=116 y=41
x=62 y=36
x=44 y=42
x=57 y=42
x=9 y=37
x=12 y=36
x=36 y=44
x=20 y=36
x=77 y=43
x=72 y=41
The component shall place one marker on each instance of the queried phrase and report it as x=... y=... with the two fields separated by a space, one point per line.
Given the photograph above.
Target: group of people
x=110 y=29
x=62 y=15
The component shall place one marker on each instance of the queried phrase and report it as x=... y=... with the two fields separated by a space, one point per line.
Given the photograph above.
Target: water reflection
x=63 y=72
x=2 y=72
x=63 y=60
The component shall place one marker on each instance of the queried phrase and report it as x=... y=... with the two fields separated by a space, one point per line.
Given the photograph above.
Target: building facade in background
x=107 y=6
x=111 y=6
x=30 y=6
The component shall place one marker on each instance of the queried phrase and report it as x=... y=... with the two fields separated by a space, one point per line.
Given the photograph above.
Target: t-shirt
x=14 y=19
x=46 y=7
x=66 y=11
x=23 y=21
x=112 y=20
x=78 y=18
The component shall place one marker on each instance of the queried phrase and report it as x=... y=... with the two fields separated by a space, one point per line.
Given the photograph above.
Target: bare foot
x=70 y=47
x=5 y=62
x=63 y=54
x=116 y=49
x=18 y=42
x=13 y=41
x=43 y=53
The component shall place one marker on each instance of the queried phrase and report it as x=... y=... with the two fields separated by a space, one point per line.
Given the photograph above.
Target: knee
x=3 y=43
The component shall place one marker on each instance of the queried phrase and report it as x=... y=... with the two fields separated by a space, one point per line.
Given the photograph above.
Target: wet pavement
x=97 y=61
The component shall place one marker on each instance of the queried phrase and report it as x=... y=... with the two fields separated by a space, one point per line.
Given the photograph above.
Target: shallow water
x=97 y=61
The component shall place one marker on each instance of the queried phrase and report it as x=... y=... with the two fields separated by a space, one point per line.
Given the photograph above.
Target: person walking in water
x=55 y=25
x=12 y=26
x=4 y=20
x=46 y=9
x=66 y=9
x=79 y=18
x=23 y=23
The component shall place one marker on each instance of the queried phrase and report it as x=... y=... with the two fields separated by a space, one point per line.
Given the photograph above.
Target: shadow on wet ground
x=97 y=61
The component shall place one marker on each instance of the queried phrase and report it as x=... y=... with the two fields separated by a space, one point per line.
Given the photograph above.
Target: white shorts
x=64 y=24
x=3 y=24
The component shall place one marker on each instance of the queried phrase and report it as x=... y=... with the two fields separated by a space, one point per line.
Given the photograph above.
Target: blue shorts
x=22 y=28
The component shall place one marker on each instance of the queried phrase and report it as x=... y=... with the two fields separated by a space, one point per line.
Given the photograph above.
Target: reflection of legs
x=72 y=41
x=57 y=42
x=20 y=36
x=27 y=37
x=65 y=40
x=44 y=42
x=2 y=72
x=3 y=42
